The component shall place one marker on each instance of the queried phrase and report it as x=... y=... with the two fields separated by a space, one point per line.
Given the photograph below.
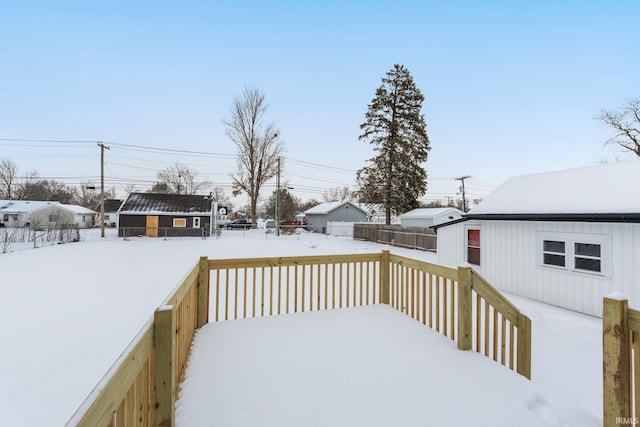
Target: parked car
x=270 y=223
x=243 y=224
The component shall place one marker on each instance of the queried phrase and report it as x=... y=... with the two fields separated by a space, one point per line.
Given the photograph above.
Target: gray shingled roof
x=153 y=203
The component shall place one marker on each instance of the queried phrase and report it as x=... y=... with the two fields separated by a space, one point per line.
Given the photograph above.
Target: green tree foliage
x=396 y=128
x=289 y=205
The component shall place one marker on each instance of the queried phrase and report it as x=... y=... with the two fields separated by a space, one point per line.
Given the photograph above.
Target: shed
x=565 y=238
x=344 y=211
x=428 y=217
x=154 y=214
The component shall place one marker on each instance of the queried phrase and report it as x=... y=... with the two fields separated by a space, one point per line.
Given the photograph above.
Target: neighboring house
x=111 y=207
x=156 y=215
x=565 y=238
x=345 y=211
x=61 y=215
x=17 y=213
x=39 y=214
x=428 y=217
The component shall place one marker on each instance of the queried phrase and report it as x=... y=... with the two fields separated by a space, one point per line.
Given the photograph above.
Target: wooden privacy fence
x=396 y=235
x=141 y=387
x=463 y=306
x=621 y=362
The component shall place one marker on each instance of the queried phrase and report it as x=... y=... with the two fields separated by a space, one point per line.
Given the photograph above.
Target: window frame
x=554 y=253
x=570 y=242
x=179 y=222
x=467 y=246
x=196 y=222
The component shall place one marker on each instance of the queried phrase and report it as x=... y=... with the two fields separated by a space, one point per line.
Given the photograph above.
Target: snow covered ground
x=69 y=311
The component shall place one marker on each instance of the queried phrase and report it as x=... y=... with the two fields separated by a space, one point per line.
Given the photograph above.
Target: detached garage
x=566 y=238
x=428 y=217
x=318 y=217
x=160 y=215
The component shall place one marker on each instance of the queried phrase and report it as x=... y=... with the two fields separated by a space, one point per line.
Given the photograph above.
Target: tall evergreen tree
x=397 y=129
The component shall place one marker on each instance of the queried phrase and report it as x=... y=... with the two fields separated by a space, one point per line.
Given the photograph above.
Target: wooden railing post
x=465 y=308
x=203 y=291
x=385 y=261
x=524 y=346
x=616 y=361
x=164 y=353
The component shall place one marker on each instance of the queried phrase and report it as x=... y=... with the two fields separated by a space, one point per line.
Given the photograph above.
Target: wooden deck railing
x=141 y=387
x=621 y=362
x=463 y=306
x=255 y=287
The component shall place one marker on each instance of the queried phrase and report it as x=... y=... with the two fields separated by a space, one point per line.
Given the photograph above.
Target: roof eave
x=562 y=217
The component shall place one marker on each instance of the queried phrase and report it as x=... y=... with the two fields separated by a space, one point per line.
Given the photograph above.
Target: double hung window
x=575 y=252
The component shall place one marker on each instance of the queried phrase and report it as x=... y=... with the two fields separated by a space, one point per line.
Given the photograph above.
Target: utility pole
x=464 y=200
x=102 y=148
x=278 y=200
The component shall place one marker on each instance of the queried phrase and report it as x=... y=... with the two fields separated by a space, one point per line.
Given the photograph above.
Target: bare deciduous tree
x=625 y=122
x=219 y=195
x=178 y=179
x=257 y=143
x=8 y=173
x=337 y=194
x=88 y=195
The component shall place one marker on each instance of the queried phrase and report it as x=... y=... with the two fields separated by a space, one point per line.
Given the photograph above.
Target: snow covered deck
x=359 y=366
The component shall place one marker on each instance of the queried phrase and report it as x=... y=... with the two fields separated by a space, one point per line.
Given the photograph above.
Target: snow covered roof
x=23 y=206
x=111 y=205
x=598 y=190
x=77 y=209
x=163 y=204
x=325 y=208
x=430 y=212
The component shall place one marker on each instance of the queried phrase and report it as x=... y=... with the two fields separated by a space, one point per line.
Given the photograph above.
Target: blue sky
x=510 y=87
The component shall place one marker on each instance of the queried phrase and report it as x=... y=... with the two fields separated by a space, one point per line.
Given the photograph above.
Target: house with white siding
x=566 y=238
x=45 y=214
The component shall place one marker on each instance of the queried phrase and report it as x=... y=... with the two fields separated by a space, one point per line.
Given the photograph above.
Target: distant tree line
x=30 y=186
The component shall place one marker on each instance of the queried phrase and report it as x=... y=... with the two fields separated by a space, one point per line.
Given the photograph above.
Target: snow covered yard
x=71 y=309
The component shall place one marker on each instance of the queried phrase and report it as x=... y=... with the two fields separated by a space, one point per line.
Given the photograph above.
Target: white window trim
x=196 y=222
x=179 y=219
x=570 y=239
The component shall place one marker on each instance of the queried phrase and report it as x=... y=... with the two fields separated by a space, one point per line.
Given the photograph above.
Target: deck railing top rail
x=291 y=260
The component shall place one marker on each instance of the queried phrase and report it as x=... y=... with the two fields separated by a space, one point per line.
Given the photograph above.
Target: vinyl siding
x=510 y=261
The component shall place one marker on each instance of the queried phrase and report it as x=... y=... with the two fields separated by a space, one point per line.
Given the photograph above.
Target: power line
x=50 y=140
